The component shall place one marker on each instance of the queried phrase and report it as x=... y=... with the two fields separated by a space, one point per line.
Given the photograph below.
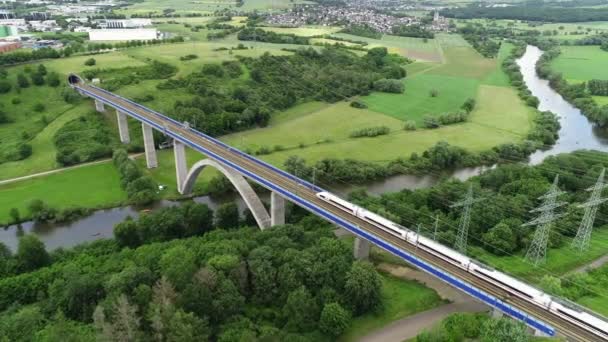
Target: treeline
x=28 y=56
x=259 y=35
x=509 y=191
x=296 y=282
x=362 y=31
x=223 y=102
x=140 y=189
x=436 y=121
x=415 y=31
x=527 y=12
x=81 y=140
x=479 y=39
x=598 y=87
x=459 y=327
x=112 y=79
x=576 y=94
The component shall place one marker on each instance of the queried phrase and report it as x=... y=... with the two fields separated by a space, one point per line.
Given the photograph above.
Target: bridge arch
x=252 y=200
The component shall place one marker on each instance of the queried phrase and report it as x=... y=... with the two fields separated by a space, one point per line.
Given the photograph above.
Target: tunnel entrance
x=74 y=79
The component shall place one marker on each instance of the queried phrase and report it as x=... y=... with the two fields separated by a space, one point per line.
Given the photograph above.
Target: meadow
x=205 y=6
x=304 y=31
x=581 y=63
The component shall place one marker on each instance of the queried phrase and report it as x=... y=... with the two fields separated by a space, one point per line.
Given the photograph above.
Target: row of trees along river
x=576 y=132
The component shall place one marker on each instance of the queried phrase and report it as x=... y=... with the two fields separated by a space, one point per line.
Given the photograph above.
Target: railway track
x=564 y=327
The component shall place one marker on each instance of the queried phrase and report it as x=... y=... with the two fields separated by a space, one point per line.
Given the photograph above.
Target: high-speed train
x=566 y=310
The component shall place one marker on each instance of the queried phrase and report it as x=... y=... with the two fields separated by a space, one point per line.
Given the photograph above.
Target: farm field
x=581 y=63
x=415 y=48
x=565 y=31
x=179 y=6
x=90 y=187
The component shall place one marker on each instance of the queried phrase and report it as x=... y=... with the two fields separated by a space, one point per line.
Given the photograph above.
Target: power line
x=583 y=236
x=465 y=220
x=538 y=249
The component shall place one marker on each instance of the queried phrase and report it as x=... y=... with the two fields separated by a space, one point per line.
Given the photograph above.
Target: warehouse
x=9 y=46
x=123 y=34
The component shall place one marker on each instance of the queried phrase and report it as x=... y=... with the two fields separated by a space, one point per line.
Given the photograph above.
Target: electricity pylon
x=538 y=249
x=465 y=220
x=583 y=236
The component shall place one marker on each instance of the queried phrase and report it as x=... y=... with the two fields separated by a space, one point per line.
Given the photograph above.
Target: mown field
x=582 y=63
x=205 y=6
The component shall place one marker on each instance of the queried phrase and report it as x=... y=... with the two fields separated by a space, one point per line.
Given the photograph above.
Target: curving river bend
x=577 y=132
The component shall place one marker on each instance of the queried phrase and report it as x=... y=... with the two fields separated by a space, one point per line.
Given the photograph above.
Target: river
x=576 y=133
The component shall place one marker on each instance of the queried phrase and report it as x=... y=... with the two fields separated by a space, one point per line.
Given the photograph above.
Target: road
x=306 y=196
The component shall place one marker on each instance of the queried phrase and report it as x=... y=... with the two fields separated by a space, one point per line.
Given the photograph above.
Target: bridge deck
x=304 y=194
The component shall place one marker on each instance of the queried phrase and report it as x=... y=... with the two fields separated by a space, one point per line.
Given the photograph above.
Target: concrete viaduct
x=236 y=165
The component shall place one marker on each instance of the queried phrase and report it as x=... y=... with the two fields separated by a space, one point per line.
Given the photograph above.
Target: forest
x=528 y=11
x=188 y=281
x=509 y=192
x=223 y=102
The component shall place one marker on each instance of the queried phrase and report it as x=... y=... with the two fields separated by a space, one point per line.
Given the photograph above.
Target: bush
x=358 y=104
x=37 y=79
x=370 y=132
x=90 y=62
x=410 y=125
x=188 y=57
x=389 y=86
x=39 y=107
x=140 y=190
x=434 y=93
x=16 y=101
x=5 y=87
x=468 y=105
x=22 y=81
x=53 y=79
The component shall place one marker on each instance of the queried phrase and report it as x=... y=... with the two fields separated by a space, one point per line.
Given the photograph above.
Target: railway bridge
x=237 y=165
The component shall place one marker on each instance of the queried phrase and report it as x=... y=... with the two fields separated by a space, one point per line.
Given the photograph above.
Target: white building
x=123 y=34
x=124 y=23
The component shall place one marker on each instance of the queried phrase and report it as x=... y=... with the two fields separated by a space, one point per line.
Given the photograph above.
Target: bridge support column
x=361 y=250
x=540 y=333
x=181 y=167
x=497 y=313
x=151 y=160
x=99 y=106
x=277 y=209
x=123 y=127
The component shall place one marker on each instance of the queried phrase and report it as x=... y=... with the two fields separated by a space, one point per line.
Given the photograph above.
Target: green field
x=565 y=31
x=401 y=298
x=205 y=6
x=415 y=48
x=89 y=187
x=581 y=63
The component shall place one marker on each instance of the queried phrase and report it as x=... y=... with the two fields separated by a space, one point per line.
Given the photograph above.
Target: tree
x=42 y=69
x=61 y=329
x=22 y=324
x=37 y=79
x=389 y=86
x=334 y=319
x=53 y=79
x=90 y=62
x=124 y=325
x=300 y=310
x=500 y=240
x=186 y=327
x=14 y=214
x=126 y=233
x=178 y=265
x=5 y=87
x=362 y=288
x=22 y=81
x=227 y=216
x=503 y=330
x=31 y=253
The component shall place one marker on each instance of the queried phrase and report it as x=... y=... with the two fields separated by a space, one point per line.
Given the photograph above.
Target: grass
x=401 y=298
x=415 y=48
x=265 y=5
x=416 y=102
x=180 y=6
x=559 y=260
x=92 y=186
x=581 y=63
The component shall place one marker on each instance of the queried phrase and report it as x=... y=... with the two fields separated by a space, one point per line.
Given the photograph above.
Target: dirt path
x=46 y=173
x=409 y=327
x=597 y=263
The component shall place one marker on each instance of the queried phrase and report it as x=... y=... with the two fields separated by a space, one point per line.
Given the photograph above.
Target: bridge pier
x=277 y=209
x=99 y=106
x=148 y=136
x=497 y=313
x=181 y=166
x=361 y=249
x=123 y=127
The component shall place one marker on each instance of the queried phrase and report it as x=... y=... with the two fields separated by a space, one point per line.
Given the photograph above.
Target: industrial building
x=8 y=31
x=123 y=34
x=9 y=46
x=123 y=23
